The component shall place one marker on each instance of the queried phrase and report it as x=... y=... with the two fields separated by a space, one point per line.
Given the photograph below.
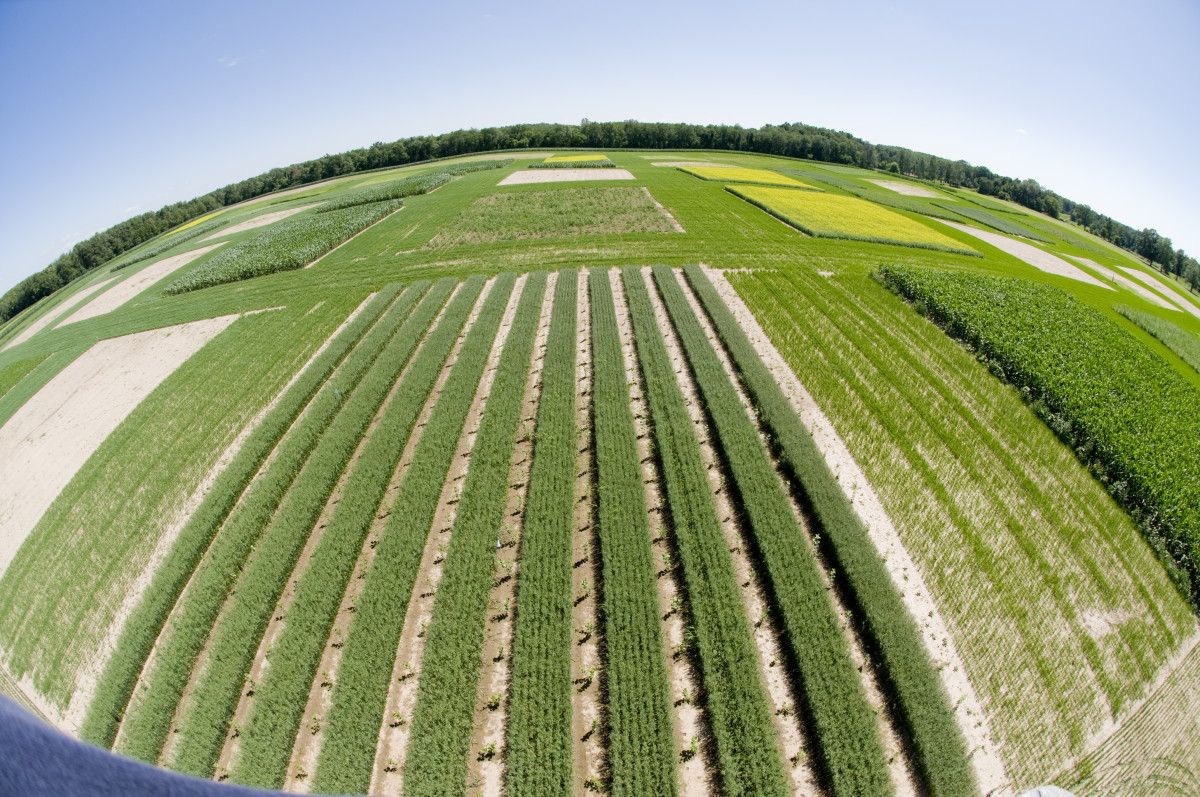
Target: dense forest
x=791 y=140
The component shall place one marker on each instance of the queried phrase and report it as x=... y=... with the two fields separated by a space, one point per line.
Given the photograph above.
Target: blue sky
x=110 y=109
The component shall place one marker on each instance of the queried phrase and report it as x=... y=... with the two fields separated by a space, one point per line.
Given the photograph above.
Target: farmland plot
x=573 y=175
x=738 y=174
x=53 y=316
x=1038 y=258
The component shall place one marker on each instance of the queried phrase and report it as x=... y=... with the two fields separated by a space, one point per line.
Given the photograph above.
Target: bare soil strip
x=1038 y=258
x=900 y=767
x=1123 y=281
x=392 y=748
x=990 y=771
x=485 y=774
x=89 y=676
x=675 y=225
x=788 y=724
x=908 y=189
x=257 y=221
x=689 y=720
x=49 y=438
x=132 y=286
x=1164 y=288
x=52 y=317
x=526 y=176
x=587 y=711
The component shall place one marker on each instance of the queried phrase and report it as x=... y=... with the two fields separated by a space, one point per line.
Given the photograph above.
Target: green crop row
x=1130 y=417
x=1185 y=344
x=877 y=194
x=396 y=189
x=912 y=682
x=539 y=759
x=368 y=657
x=14 y=372
x=993 y=221
x=235 y=637
x=459 y=169
x=280 y=699
x=747 y=751
x=446 y=697
x=141 y=630
x=641 y=751
x=284 y=246
x=849 y=750
x=596 y=164
x=191 y=623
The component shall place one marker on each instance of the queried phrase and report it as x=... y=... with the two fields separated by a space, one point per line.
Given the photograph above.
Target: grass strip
x=146 y=621
x=1183 y=343
x=910 y=679
x=270 y=731
x=14 y=372
x=235 y=638
x=641 y=745
x=192 y=622
x=364 y=677
x=747 y=751
x=539 y=744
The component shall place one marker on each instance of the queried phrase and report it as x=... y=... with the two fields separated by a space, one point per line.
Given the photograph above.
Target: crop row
x=1130 y=417
x=279 y=701
x=603 y=163
x=640 y=745
x=993 y=221
x=142 y=628
x=191 y=623
x=847 y=741
x=364 y=675
x=539 y=721
x=284 y=246
x=913 y=683
x=396 y=189
x=446 y=697
x=248 y=609
x=747 y=751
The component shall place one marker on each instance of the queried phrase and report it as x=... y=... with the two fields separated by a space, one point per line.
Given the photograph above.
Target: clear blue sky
x=108 y=109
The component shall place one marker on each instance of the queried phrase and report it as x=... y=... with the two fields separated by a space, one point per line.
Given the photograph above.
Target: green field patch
x=13 y=373
x=1131 y=418
x=561 y=213
x=741 y=174
x=1185 y=344
x=851 y=218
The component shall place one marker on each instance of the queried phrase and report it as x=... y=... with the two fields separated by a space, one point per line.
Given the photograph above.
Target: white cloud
x=1022 y=131
x=230 y=60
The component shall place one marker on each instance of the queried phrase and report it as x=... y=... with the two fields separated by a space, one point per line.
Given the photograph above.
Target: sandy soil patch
x=685 y=164
x=990 y=772
x=1124 y=282
x=257 y=221
x=908 y=189
x=1038 y=258
x=1165 y=288
x=528 y=176
x=50 y=318
x=53 y=434
x=123 y=291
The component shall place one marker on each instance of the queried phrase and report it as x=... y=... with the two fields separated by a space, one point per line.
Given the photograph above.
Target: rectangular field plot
x=830 y=216
x=595 y=156
x=51 y=437
x=907 y=189
x=563 y=213
x=256 y=222
x=564 y=176
x=739 y=174
x=1038 y=258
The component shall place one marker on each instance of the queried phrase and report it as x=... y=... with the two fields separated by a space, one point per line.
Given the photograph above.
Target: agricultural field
x=468 y=477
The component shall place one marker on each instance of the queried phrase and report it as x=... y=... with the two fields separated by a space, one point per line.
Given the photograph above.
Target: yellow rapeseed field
x=194 y=222
x=595 y=156
x=739 y=174
x=833 y=216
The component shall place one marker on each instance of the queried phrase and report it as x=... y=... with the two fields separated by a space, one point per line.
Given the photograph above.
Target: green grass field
x=337 y=609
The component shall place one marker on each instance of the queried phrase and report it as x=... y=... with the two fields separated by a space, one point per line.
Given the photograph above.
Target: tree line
x=790 y=140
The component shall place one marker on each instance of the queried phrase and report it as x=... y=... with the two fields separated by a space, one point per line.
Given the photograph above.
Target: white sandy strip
x=57 y=313
x=122 y=292
x=1163 y=288
x=986 y=761
x=908 y=189
x=1038 y=258
x=257 y=221
x=86 y=681
x=1123 y=281
x=565 y=175
x=46 y=441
